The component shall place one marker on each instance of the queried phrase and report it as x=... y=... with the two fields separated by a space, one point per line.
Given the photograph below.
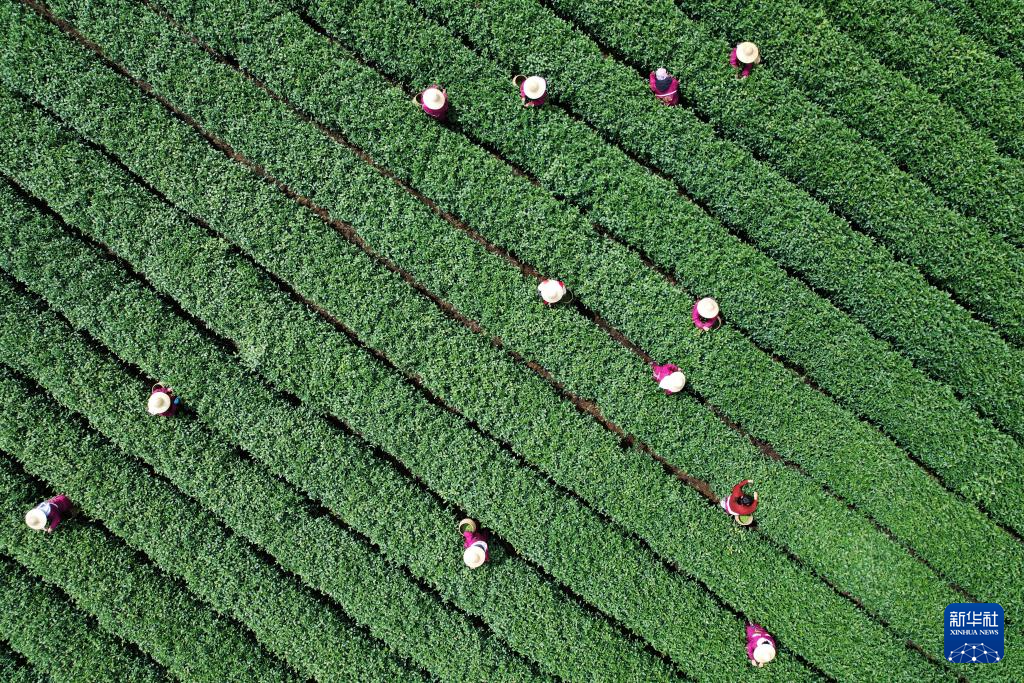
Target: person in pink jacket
x=48 y=515
x=434 y=102
x=474 y=544
x=669 y=377
x=760 y=645
x=705 y=314
x=665 y=86
x=162 y=401
x=744 y=57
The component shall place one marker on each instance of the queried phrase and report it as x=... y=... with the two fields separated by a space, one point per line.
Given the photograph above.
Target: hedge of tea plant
x=291 y=337
x=928 y=49
x=158 y=243
x=306 y=356
x=239 y=218
x=36 y=624
x=928 y=138
x=145 y=144
x=613 y=286
x=129 y=596
x=180 y=537
x=251 y=501
x=517 y=602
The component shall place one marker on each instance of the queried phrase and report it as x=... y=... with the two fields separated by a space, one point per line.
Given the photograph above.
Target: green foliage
x=181 y=537
x=39 y=623
x=817 y=152
x=927 y=47
x=305 y=356
x=997 y=22
x=379 y=307
x=267 y=512
x=756 y=393
x=298 y=445
x=128 y=596
x=930 y=139
x=427 y=419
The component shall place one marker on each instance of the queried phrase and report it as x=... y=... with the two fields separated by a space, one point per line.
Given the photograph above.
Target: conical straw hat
x=475 y=555
x=551 y=291
x=158 y=403
x=534 y=87
x=673 y=382
x=36 y=519
x=433 y=98
x=764 y=653
x=747 y=52
x=707 y=308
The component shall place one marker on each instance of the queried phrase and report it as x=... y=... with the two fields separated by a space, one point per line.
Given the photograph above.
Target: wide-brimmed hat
x=159 y=402
x=534 y=87
x=551 y=291
x=36 y=519
x=747 y=53
x=707 y=308
x=764 y=653
x=467 y=524
x=673 y=382
x=433 y=98
x=475 y=555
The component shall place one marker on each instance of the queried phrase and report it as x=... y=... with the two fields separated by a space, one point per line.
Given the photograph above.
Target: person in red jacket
x=740 y=505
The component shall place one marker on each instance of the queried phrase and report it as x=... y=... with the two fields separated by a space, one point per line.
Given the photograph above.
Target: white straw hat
x=661 y=73
x=158 y=403
x=748 y=53
x=534 y=87
x=673 y=382
x=36 y=519
x=707 y=308
x=551 y=291
x=764 y=653
x=433 y=98
x=475 y=555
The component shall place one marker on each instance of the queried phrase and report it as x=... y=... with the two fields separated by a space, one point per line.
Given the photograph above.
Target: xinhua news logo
x=974 y=633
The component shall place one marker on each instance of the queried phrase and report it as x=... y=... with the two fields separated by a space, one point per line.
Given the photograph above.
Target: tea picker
x=434 y=102
x=705 y=314
x=162 y=401
x=744 y=57
x=669 y=377
x=474 y=543
x=48 y=515
x=760 y=645
x=533 y=91
x=665 y=86
x=551 y=291
x=740 y=505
